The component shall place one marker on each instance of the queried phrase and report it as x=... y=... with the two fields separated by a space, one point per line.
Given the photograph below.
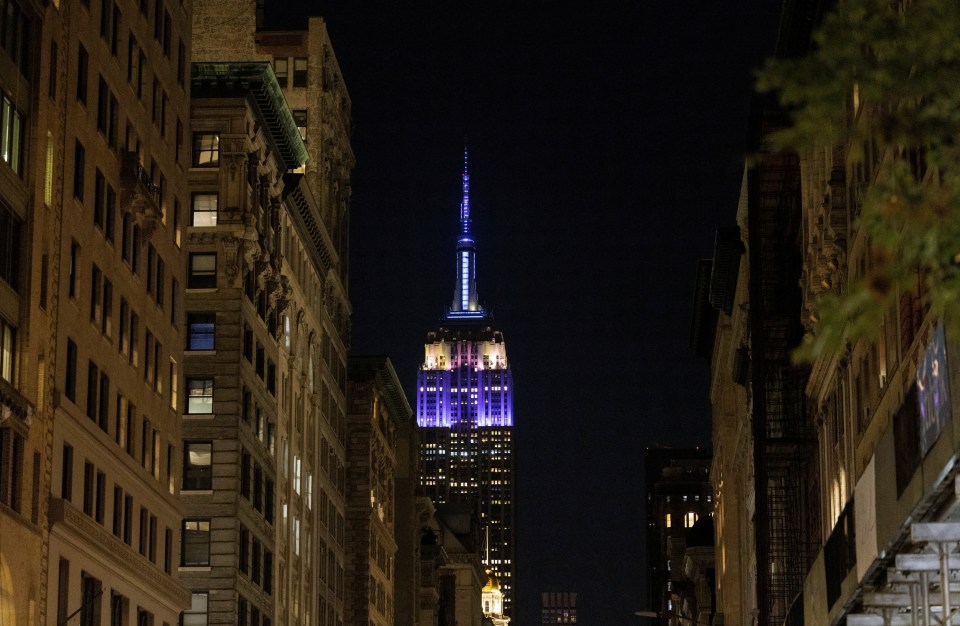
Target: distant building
x=558 y=607
x=678 y=494
x=465 y=412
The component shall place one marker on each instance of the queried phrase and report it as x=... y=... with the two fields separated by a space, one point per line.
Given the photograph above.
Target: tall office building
x=465 y=411
x=558 y=607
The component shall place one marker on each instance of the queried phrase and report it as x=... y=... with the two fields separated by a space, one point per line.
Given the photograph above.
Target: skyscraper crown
x=466 y=303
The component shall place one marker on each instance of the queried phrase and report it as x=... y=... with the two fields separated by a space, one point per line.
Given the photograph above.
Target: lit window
x=197 y=465
x=8 y=351
x=201 y=328
x=300 y=72
x=204 y=210
x=196 y=615
x=689 y=519
x=669 y=521
x=206 y=150
x=199 y=396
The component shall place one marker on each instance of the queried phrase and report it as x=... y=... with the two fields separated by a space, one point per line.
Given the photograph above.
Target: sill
x=193 y=568
x=196 y=492
x=201 y=290
x=199 y=416
x=189 y=352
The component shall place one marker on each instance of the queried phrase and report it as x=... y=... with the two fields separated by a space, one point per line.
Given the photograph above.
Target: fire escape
x=784 y=437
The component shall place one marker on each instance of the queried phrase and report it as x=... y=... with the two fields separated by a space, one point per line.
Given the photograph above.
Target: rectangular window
x=90 y=591
x=83 y=63
x=8 y=352
x=93 y=386
x=300 y=72
x=100 y=505
x=66 y=473
x=167 y=550
x=70 y=383
x=244 y=554
x=118 y=609
x=110 y=213
x=96 y=279
x=199 y=396
x=196 y=615
x=280 y=65
x=195 y=543
x=103 y=105
x=152 y=549
x=79 y=166
x=128 y=520
x=206 y=149
x=144 y=529
x=106 y=312
x=203 y=212
x=300 y=119
x=181 y=62
x=88 y=478
x=12 y=134
x=117 y=511
x=11 y=247
x=197 y=465
x=203 y=270
x=201 y=329
x=74 y=261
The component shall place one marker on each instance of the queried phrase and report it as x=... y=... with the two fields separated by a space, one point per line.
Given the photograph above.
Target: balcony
x=138 y=194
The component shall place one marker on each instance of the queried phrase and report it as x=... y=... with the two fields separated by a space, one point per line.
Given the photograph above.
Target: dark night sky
x=607 y=142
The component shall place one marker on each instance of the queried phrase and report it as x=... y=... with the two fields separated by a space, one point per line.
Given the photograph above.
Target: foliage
x=888 y=74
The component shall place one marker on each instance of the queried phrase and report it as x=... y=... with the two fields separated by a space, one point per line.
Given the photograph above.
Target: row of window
x=256 y=486
x=255 y=560
x=99 y=405
x=92 y=597
x=94 y=505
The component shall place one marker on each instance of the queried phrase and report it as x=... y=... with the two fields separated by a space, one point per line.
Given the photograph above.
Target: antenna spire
x=465 y=301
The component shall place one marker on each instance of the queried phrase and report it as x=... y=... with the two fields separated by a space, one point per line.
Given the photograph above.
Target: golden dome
x=493 y=583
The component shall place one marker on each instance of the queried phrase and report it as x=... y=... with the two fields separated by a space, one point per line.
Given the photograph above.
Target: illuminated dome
x=493 y=583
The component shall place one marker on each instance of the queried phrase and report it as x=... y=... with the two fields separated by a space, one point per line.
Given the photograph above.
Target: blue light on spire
x=465 y=301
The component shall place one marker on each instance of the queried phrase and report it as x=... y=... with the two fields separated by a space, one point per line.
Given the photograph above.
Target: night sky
x=606 y=143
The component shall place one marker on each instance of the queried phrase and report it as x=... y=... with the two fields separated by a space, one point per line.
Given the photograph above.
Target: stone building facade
x=377 y=407
x=293 y=274
x=111 y=233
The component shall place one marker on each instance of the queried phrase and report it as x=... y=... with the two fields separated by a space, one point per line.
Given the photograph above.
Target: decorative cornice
x=125 y=559
x=256 y=81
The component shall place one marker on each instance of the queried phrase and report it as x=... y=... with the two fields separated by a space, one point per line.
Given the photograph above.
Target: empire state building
x=465 y=412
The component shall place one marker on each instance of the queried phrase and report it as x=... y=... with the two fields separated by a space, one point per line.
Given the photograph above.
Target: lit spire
x=465 y=301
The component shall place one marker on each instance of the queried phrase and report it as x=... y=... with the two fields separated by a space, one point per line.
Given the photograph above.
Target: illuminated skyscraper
x=465 y=412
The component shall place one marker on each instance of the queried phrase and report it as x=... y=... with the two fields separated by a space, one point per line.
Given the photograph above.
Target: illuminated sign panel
x=933 y=390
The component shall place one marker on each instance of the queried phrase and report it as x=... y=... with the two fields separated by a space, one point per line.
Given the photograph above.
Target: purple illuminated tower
x=465 y=412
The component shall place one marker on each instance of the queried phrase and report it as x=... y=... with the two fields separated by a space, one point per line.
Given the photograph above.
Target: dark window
x=206 y=150
x=10 y=247
x=117 y=511
x=300 y=119
x=201 y=330
x=83 y=63
x=244 y=550
x=203 y=270
x=118 y=609
x=79 y=165
x=197 y=465
x=52 y=78
x=70 y=384
x=11 y=468
x=90 y=591
x=195 y=543
x=66 y=473
x=300 y=72
x=88 y=477
x=100 y=505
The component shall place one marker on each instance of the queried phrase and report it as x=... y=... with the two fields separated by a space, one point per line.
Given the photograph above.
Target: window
x=82 y=66
x=11 y=468
x=15 y=38
x=300 y=118
x=203 y=270
x=12 y=135
x=79 y=165
x=8 y=351
x=206 y=149
x=195 y=543
x=199 y=396
x=66 y=473
x=70 y=383
x=201 y=331
x=10 y=247
x=204 y=210
x=118 y=609
x=88 y=488
x=300 y=72
x=280 y=65
x=90 y=590
x=196 y=615
x=117 y=511
x=197 y=465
